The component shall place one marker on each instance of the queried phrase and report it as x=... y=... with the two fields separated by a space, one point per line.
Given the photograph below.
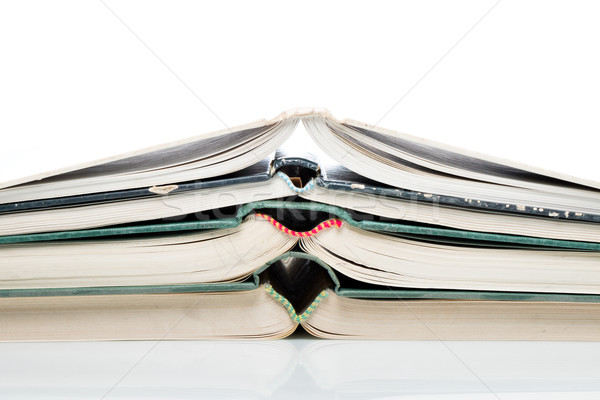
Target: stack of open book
x=348 y=229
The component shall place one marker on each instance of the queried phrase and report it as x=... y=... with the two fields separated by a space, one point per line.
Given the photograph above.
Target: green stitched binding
x=290 y=309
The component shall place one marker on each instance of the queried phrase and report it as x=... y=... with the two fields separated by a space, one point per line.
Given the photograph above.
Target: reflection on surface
x=301 y=367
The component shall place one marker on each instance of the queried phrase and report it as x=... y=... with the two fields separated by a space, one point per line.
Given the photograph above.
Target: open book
x=340 y=163
x=363 y=233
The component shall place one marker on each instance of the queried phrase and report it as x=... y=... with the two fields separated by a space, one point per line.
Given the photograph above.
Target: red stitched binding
x=323 y=225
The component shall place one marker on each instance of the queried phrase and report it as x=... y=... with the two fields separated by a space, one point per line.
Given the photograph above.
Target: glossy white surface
x=300 y=367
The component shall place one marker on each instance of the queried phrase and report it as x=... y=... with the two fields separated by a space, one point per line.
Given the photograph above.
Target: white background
x=85 y=79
